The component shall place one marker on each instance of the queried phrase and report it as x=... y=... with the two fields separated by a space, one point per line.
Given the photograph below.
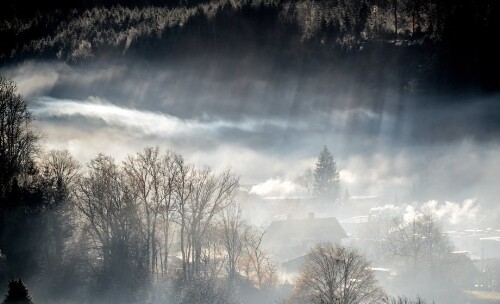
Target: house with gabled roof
x=292 y=238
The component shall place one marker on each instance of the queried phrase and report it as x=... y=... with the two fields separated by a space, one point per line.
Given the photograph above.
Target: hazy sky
x=269 y=123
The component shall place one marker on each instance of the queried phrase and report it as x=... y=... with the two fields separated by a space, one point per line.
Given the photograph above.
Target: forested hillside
x=451 y=41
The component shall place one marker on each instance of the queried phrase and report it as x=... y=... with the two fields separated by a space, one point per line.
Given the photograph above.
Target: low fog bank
x=389 y=143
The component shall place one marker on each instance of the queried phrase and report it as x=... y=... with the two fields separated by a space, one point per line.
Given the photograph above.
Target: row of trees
x=345 y=22
x=416 y=248
x=126 y=223
x=138 y=203
x=117 y=228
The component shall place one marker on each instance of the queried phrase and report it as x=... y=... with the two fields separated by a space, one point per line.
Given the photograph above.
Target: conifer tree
x=18 y=293
x=326 y=176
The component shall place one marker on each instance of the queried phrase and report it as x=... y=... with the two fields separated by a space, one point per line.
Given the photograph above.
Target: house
x=292 y=238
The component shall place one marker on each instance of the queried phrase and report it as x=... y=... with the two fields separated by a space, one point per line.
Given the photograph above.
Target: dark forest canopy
x=443 y=44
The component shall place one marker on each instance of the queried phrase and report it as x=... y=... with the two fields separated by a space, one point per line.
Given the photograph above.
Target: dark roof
x=295 y=264
x=317 y=229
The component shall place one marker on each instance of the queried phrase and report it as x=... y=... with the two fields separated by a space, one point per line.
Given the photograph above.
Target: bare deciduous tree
x=169 y=172
x=306 y=180
x=61 y=166
x=144 y=172
x=214 y=258
x=211 y=194
x=257 y=263
x=111 y=219
x=336 y=274
x=184 y=187
x=419 y=241
x=235 y=231
x=57 y=182
x=18 y=140
x=373 y=236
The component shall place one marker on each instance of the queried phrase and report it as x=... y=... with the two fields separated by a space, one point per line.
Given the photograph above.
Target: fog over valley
x=249 y=151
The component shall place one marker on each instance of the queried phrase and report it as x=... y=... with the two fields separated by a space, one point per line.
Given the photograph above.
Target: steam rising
x=464 y=214
x=277 y=188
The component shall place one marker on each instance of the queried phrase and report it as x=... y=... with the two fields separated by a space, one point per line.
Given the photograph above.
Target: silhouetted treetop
x=326 y=176
x=17 y=137
x=18 y=293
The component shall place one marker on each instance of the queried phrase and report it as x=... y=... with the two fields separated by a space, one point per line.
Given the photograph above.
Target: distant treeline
x=453 y=38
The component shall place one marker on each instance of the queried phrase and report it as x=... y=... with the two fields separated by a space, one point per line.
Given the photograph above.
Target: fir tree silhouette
x=18 y=293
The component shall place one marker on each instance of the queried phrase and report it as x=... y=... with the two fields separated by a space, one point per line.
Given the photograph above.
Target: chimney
x=311 y=215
